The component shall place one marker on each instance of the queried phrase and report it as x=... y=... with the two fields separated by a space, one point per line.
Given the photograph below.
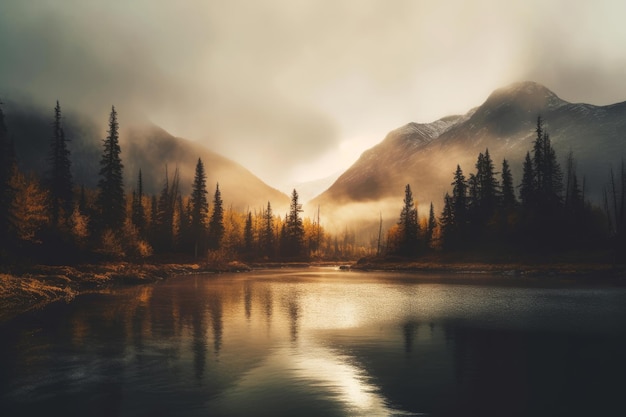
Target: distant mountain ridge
x=425 y=155
x=144 y=146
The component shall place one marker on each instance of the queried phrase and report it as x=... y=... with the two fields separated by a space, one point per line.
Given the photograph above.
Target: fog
x=295 y=91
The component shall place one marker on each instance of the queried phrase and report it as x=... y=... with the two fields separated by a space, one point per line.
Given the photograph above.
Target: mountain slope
x=425 y=155
x=144 y=146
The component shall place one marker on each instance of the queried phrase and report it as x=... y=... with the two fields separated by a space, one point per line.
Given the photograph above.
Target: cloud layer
x=297 y=89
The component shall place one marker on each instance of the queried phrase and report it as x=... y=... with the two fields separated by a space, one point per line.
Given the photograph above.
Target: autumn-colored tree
x=29 y=208
x=233 y=239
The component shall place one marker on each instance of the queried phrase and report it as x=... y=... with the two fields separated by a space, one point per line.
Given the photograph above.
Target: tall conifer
x=216 y=223
x=407 y=224
x=199 y=208
x=60 y=176
x=111 y=200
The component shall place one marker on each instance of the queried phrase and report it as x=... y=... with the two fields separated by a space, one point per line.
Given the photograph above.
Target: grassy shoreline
x=33 y=287
x=26 y=288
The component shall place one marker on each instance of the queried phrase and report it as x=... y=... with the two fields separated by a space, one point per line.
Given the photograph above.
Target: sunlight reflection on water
x=315 y=342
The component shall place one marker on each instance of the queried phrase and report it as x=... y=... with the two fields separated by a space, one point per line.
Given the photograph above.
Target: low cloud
x=278 y=85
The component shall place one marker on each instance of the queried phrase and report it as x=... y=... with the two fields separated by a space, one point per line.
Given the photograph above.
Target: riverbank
x=33 y=287
x=540 y=273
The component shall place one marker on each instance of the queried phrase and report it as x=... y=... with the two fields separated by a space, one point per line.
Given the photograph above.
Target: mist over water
x=318 y=341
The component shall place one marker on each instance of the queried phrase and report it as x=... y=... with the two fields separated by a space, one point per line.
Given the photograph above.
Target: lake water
x=319 y=342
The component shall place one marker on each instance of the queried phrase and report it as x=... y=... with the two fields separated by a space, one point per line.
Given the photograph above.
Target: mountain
x=425 y=155
x=144 y=145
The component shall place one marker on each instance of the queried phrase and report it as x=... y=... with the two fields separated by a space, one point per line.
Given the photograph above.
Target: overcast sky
x=296 y=90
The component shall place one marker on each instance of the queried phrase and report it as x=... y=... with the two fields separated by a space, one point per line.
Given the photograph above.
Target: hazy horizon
x=303 y=88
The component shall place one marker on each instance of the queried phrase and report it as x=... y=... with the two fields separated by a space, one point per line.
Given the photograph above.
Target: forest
x=54 y=220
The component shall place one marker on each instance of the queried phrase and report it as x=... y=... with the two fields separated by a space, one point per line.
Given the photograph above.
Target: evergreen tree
x=111 y=200
x=507 y=198
x=248 y=234
x=267 y=232
x=138 y=215
x=538 y=155
x=294 y=229
x=199 y=208
x=216 y=223
x=60 y=176
x=574 y=201
x=447 y=222
x=488 y=186
x=432 y=224
x=166 y=206
x=548 y=178
x=459 y=199
x=182 y=237
x=528 y=188
x=408 y=225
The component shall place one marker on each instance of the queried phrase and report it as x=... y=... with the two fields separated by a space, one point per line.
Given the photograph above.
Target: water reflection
x=311 y=342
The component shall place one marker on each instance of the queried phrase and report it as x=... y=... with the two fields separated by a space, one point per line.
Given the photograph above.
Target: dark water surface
x=319 y=342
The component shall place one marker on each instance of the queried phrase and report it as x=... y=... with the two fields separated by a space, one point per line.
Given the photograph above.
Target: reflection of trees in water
x=247 y=298
x=409 y=330
x=191 y=309
x=199 y=343
x=216 y=313
x=490 y=370
x=290 y=304
x=267 y=305
x=293 y=309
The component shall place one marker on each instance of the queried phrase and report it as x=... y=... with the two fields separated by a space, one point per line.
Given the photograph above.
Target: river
x=319 y=342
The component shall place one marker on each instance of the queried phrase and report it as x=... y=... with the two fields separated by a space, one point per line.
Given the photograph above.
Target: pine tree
x=60 y=176
x=507 y=198
x=248 y=234
x=528 y=187
x=216 y=223
x=488 y=186
x=408 y=225
x=267 y=232
x=199 y=208
x=459 y=199
x=166 y=206
x=447 y=222
x=548 y=178
x=111 y=200
x=294 y=229
x=432 y=225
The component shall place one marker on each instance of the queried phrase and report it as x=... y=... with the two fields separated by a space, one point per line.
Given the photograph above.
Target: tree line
x=51 y=219
x=483 y=214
